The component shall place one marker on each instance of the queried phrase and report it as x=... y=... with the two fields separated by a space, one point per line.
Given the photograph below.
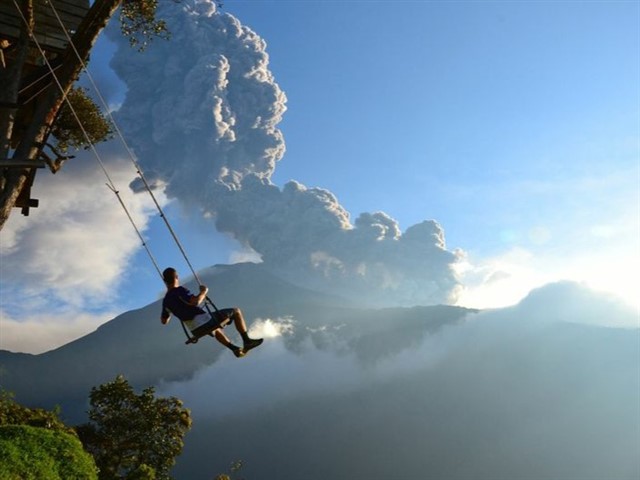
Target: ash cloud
x=201 y=109
x=206 y=127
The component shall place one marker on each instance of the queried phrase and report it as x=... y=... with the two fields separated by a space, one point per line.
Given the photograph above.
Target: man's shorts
x=218 y=319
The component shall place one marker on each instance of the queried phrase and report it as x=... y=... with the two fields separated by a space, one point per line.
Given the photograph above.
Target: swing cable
x=110 y=184
x=126 y=147
x=124 y=143
x=208 y=301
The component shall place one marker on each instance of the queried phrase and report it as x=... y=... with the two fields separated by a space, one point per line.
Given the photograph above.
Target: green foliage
x=12 y=413
x=66 y=129
x=31 y=453
x=235 y=468
x=133 y=436
x=143 y=472
x=138 y=22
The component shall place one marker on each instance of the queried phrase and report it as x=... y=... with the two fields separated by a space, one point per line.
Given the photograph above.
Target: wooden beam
x=48 y=31
x=24 y=200
x=10 y=163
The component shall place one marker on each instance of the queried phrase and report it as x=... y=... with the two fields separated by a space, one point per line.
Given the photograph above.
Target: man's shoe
x=239 y=352
x=252 y=343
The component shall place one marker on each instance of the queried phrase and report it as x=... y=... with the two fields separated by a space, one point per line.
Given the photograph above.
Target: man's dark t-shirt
x=176 y=302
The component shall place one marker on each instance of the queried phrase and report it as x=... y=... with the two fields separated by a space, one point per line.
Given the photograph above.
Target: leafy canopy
x=12 y=413
x=139 y=24
x=66 y=129
x=36 y=445
x=133 y=436
x=33 y=453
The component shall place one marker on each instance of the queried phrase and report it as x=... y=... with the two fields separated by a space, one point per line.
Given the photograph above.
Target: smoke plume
x=207 y=128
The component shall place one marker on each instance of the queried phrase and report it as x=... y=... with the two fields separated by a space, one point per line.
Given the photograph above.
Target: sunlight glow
x=271 y=328
x=504 y=280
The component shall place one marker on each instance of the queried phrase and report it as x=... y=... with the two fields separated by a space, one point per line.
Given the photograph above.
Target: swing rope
x=124 y=143
x=110 y=184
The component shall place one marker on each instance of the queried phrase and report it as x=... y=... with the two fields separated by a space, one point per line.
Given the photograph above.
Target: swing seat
x=194 y=339
x=204 y=330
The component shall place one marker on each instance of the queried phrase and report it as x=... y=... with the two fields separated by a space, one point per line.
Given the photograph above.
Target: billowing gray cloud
x=201 y=114
x=203 y=108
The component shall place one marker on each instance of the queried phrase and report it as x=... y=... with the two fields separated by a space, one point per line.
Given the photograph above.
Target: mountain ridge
x=136 y=345
x=528 y=391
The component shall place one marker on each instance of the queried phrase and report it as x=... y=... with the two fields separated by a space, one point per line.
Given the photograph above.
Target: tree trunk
x=10 y=78
x=49 y=102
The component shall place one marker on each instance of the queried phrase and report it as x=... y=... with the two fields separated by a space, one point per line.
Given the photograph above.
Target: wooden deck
x=47 y=28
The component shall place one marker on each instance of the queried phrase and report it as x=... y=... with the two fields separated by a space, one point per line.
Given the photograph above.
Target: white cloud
x=499 y=281
x=39 y=332
x=70 y=251
x=271 y=328
x=244 y=255
x=272 y=369
x=505 y=279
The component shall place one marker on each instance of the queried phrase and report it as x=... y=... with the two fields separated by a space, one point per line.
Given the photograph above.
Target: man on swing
x=183 y=304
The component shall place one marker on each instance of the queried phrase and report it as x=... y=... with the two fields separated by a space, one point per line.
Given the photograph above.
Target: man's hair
x=169 y=275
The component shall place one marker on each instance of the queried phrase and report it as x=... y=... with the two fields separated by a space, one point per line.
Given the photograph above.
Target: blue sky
x=514 y=125
x=437 y=100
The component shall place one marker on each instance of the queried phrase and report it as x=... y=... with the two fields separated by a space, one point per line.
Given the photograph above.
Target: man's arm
x=198 y=299
x=165 y=316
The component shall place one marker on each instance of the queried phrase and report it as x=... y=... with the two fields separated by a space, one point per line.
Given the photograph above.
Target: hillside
x=542 y=389
x=559 y=403
x=137 y=345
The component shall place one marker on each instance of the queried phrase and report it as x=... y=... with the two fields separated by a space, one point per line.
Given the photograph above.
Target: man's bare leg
x=241 y=326
x=224 y=340
x=238 y=321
